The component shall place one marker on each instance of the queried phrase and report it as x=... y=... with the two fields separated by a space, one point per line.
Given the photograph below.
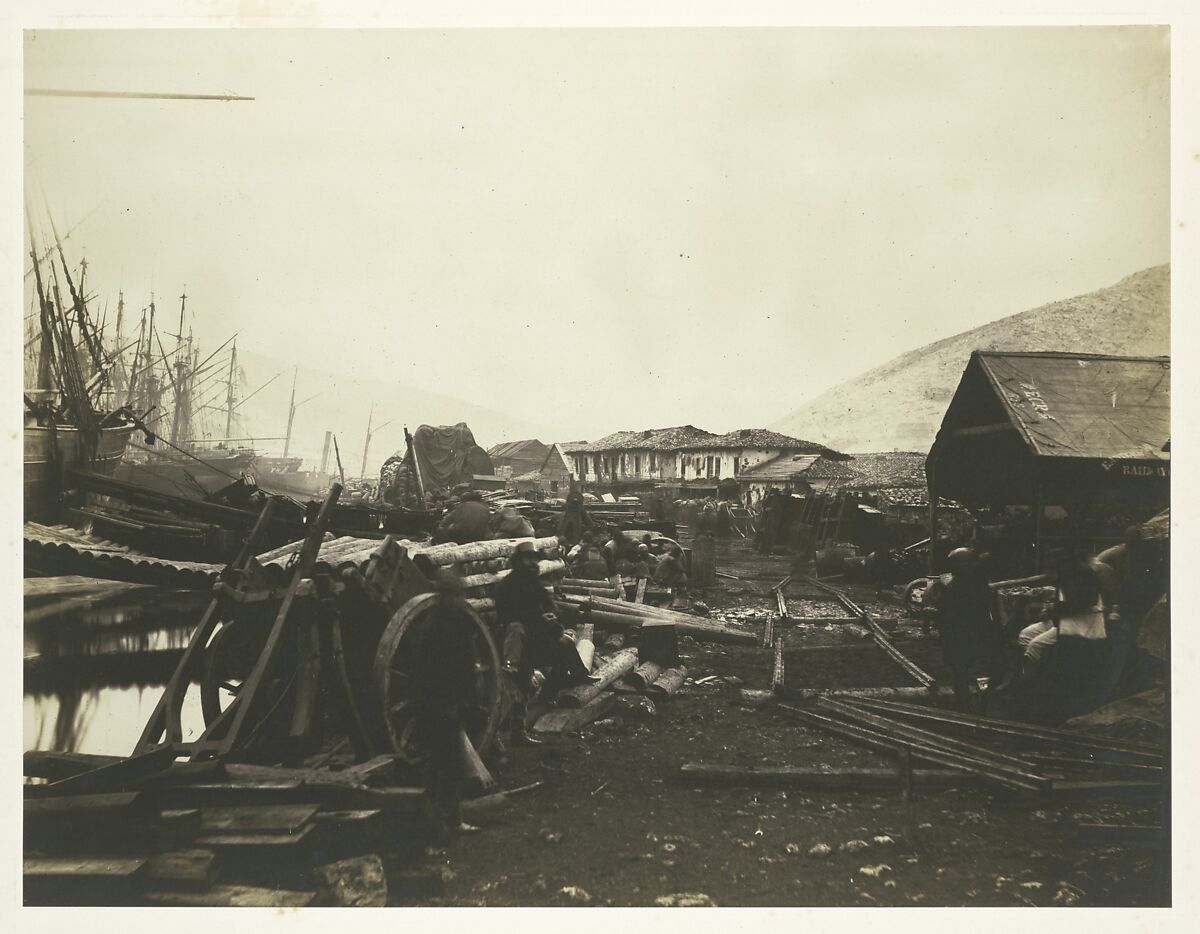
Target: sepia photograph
x=579 y=466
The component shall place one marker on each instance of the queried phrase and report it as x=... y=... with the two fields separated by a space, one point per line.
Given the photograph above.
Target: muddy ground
x=612 y=824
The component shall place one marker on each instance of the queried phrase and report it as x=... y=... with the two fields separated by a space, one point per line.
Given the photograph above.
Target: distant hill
x=899 y=405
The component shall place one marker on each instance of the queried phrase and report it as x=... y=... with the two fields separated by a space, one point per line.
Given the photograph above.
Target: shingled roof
x=652 y=439
x=762 y=438
x=888 y=470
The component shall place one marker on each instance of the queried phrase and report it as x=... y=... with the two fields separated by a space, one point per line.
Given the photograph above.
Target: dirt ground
x=612 y=823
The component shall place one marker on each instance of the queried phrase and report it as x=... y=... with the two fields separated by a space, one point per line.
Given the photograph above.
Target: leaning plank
x=234 y=896
x=803 y=777
x=183 y=869
x=60 y=765
x=569 y=719
x=694 y=626
x=617 y=666
x=257 y=819
x=117 y=775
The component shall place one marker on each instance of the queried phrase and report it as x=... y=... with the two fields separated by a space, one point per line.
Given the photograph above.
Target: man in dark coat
x=970 y=637
x=469 y=521
x=537 y=651
x=445 y=693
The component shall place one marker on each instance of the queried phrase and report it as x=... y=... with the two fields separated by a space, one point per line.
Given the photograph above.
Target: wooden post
x=777 y=679
x=1037 y=529
x=585 y=646
x=704 y=560
x=931 y=480
x=906 y=783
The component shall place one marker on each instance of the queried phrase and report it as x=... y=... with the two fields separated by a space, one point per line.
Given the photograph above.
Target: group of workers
x=468 y=519
x=624 y=557
x=1070 y=655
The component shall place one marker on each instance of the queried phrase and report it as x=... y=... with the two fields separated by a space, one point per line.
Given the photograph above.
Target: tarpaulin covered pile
x=445 y=456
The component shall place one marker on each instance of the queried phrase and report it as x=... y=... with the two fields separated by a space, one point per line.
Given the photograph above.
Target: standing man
x=446 y=689
x=537 y=652
x=970 y=637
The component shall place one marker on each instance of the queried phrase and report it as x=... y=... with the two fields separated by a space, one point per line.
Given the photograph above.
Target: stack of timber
x=60 y=549
x=70 y=551
x=104 y=830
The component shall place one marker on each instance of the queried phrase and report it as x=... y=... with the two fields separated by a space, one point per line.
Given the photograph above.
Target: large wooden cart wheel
x=393 y=681
x=230 y=657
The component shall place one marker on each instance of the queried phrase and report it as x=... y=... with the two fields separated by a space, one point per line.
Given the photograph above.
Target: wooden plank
x=105 y=869
x=117 y=775
x=399 y=799
x=79 y=806
x=60 y=765
x=264 y=844
x=183 y=869
x=233 y=896
x=702 y=773
x=178 y=825
x=287 y=819
x=641 y=592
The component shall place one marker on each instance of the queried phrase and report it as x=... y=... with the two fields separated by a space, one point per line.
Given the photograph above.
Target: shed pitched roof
x=783 y=467
x=517 y=448
x=1085 y=405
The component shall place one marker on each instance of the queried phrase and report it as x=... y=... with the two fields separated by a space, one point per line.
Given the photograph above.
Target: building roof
x=783 y=467
x=517 y=448
x=759 y=438
x=1085 y=405
x=651 y=439
x=890 y=470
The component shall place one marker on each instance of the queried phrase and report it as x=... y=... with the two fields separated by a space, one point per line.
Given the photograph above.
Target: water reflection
x=94 y=672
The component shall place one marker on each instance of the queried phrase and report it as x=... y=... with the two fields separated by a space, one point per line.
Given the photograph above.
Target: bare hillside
x=899 y=405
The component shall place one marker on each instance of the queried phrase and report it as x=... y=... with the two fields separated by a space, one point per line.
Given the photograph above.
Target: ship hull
x=48 y=452
x=173 y=473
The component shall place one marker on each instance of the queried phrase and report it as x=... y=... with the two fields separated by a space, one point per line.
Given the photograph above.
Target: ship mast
x=287 y=442
x=231 y=392
x=181 y=424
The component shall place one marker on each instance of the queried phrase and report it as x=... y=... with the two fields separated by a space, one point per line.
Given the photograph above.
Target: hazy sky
x=605 y=229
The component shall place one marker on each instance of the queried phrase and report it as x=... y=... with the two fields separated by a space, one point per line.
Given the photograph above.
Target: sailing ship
x=70 y=418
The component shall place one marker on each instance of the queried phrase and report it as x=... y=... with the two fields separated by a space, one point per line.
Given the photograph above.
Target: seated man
x=588 y=563
x=1067 y=656
x=469 y=521
x=670 y=573
x=509 y=523
x=537 y=652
